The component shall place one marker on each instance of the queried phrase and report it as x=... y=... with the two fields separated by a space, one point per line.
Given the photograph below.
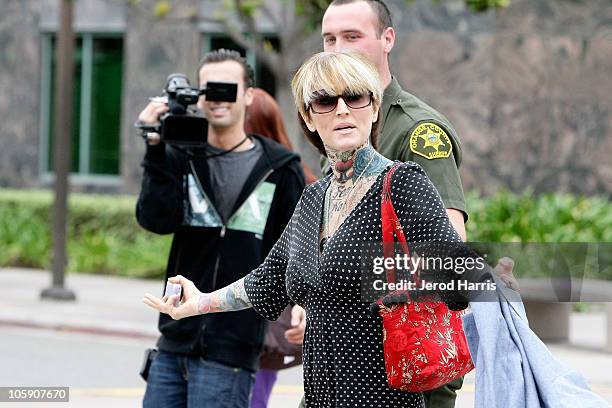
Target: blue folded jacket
x=514 y=369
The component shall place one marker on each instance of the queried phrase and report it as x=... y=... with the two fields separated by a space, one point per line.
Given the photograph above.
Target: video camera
x=182 y=126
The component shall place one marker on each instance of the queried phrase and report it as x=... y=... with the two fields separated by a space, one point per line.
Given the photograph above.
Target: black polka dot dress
x=343 y=354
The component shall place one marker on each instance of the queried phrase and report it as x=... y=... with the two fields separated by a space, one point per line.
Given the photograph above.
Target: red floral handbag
x=424 y=343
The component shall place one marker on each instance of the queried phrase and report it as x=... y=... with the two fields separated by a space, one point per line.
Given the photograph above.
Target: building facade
x=527 y=87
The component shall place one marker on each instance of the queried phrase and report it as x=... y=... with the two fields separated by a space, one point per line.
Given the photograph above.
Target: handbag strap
x=392 y=228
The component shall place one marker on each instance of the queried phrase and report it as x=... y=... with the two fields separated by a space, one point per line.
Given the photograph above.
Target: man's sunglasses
x=327 y=103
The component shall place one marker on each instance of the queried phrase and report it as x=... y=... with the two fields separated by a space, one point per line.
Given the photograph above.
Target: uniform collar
x=392 y=92
x=391 y=96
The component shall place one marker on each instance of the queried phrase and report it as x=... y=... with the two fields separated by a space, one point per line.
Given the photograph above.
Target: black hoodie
x=216 y=254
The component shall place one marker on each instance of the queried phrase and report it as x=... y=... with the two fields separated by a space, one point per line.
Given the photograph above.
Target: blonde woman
x=316 y=262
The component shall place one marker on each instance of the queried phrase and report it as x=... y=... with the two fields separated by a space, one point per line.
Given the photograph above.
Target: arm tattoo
x=228 y=299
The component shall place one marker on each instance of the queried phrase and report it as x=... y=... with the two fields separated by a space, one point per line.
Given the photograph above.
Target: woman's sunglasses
x=327 y=103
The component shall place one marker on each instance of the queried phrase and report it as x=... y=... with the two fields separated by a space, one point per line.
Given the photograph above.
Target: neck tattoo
x=349 y=166
x=353 y=173
x=342 y=163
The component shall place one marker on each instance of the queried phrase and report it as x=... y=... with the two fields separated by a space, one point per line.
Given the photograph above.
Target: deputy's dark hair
x=222 y=55
x=379 y=7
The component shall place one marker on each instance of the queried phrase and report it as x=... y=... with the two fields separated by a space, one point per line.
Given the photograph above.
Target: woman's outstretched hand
x=187 y=307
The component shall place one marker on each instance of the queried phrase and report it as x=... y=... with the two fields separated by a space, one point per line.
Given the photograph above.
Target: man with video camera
x=226 y=198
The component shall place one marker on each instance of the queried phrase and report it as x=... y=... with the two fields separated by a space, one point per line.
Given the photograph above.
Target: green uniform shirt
x=411 y=130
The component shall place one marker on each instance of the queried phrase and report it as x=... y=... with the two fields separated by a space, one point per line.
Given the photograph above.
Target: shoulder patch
x=430 y=141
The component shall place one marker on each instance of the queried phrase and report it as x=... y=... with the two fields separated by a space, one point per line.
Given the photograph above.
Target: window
x=96 y=104
x=264 y=78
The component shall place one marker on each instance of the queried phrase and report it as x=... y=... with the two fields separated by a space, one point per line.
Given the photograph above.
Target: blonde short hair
x=334 y=73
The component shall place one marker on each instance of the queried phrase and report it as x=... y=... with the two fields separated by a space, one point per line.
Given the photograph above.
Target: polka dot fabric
x=343 y=355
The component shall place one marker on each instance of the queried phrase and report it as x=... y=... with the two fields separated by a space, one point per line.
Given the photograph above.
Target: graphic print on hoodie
x=251 y=216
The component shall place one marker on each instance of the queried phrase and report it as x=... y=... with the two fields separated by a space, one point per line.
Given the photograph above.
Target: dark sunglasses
x=327 y=103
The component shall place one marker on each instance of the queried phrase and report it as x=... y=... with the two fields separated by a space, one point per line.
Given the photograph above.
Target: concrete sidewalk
x=112 y=306
x=104 y=305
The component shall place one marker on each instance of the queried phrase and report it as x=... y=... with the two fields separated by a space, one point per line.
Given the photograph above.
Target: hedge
x=105 y=238
x=507 y=217
x=103 y=235
x=549 y=218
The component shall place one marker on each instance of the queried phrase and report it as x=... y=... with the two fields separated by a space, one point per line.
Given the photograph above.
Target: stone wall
x=551 y=119
x=527 y=88
x=19 y=99
x=153 y=49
